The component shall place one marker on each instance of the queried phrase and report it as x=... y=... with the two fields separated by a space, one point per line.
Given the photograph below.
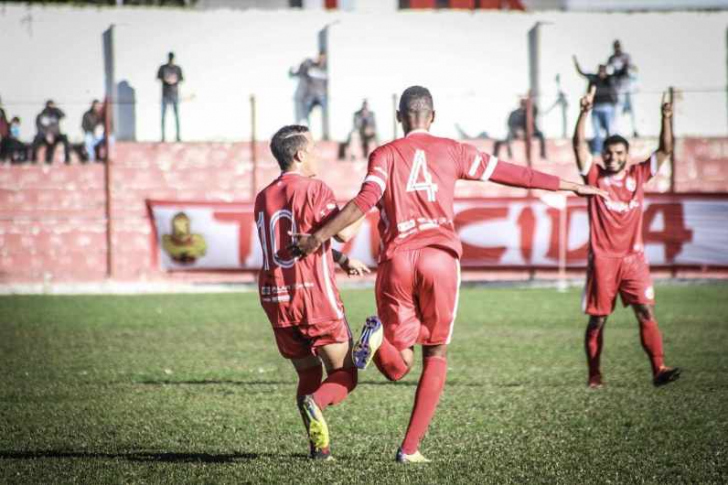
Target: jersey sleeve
x=473 y=164
x=648 y=168
x=323 y=204
x=375 y=183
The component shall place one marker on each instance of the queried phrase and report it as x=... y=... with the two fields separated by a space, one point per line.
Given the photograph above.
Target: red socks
x=652 y=343
x=427 y=396
x=335 y=388
x=308 y=380
x=390 y=362
x=593 y=341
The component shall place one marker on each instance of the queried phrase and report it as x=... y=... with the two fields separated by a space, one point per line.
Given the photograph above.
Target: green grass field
x=191 y=389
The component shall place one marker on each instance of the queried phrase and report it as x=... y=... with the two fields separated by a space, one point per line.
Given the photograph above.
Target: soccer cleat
x=321 y=455
x=318 y=431
x=595 y=382
x=415 y=457
x=666 y=375
x=368 y=343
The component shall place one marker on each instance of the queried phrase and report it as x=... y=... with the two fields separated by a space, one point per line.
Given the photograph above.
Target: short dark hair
x=286 y=142
x=416 y=99
x=615 y=140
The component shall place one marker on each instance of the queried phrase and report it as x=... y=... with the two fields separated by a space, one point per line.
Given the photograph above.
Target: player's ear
x=399 y=117
x=432 y=117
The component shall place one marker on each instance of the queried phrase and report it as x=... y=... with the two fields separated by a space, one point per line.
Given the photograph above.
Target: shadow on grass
x=366 y=382
x=144 y=456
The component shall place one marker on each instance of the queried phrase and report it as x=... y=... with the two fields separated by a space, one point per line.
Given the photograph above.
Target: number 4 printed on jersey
x=420 y=178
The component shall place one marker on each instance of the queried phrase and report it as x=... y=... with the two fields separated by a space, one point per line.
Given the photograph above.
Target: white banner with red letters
x=679 y=230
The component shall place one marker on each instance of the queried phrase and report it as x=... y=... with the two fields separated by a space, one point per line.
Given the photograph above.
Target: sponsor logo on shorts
x=650 y=293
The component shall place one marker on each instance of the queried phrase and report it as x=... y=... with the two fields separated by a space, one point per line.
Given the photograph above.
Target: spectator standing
x=4 y=124
x=94 y=130
x=11 y=147
x=605 y=103
x=621 y=62
x=48 y=124
x=170 y=74
x=517 y=130
x=312 y=87
x=365 y=124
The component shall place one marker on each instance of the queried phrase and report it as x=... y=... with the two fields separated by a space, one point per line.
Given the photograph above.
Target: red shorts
x=417 y=296
x=605 y=277
x=301 y=341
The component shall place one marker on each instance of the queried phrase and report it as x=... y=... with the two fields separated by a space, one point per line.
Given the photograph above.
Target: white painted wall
x=476 y=64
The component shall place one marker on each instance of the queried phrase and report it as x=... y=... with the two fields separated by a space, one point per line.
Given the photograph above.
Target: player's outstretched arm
x=581 y=189
x=349 y=232
x=581 y=150
x=305 y=244
x=664 y=151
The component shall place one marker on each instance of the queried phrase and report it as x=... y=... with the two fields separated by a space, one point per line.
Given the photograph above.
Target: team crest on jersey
x=630 y=184
x=650 y=293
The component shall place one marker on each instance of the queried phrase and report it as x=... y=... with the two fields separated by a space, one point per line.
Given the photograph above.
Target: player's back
x=420 y=171
x=295 y=291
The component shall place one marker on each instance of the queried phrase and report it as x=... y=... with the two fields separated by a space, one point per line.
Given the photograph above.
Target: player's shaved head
x=416 y=109
x=287 y=142
x=416 y=99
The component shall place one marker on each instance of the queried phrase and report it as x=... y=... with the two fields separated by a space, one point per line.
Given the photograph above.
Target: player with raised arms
x=300 y=297
x=412 y=182
x=617 y=262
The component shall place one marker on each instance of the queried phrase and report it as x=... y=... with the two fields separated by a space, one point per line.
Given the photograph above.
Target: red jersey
x=615 y=224
x=412 y=182
x=296 y=291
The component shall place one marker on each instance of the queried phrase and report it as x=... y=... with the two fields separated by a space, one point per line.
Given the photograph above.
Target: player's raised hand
x=587 y=101
x=303 y=244
x=666 y=105
x=354 y=267
x=584 y=190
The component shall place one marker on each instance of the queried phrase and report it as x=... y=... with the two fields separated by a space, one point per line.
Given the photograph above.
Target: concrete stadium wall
x=53 y=223
x=476 y=64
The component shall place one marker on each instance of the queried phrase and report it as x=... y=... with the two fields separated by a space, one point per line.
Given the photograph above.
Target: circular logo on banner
x=182 y=245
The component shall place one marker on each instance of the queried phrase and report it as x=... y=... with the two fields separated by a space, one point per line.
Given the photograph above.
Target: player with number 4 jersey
x=412 y=183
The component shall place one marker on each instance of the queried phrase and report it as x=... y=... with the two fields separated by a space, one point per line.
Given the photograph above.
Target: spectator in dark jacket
x=605 y=102
x=48 y=124
x=170 y=74
x=93 y=129
x=517 y=130
x=11 y=147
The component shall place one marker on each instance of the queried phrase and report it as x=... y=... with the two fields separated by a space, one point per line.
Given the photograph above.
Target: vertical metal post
x=673 y=165
x=529 y=127
x=253 y=148
x=109 y=109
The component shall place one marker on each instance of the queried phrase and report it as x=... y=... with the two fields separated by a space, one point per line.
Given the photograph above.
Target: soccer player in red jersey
x=617 y=263
x=412 y=182
x=300 y=297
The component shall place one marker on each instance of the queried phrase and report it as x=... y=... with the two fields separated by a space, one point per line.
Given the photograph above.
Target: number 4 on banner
x=419 y=178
